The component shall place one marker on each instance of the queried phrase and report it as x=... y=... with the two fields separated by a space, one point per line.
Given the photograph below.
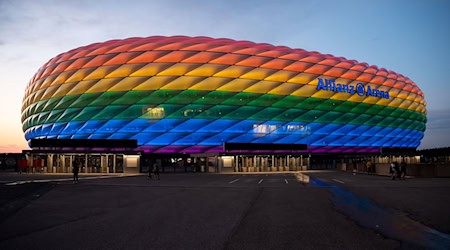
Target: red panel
x=229 y=59
x=336 y=72
x=276 y=64
x=121 y=58
x=77 y=64
x=317 y=69
x=364 y=77
x=298 y=66
x=97 y=61
x=253 y=61
x=202 y=57
x=351 y=74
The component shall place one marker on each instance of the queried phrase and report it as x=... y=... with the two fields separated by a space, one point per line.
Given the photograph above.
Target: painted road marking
x=286 y=181
x=60 y=179
x=336 y=180
x=233 y=181
x=260 y=181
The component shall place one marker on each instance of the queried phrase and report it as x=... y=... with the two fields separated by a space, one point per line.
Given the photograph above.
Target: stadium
x=213 y=105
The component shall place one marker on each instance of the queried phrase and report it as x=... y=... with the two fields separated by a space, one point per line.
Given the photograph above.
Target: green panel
x=159 y=96
x=69 y=114
x=345 y=107
x=289 y=115
x=132 y=97
x=375 y=120
x=329 y=105
x=84 y=100
x=241 y=98
x=66 y=101
x=400 y=123
x=374 y=110
x=106 y=98
x=216 y=112
x=361 y=108
x=398 y=112
x=54 y=114
x=42 y=117
x=266 y=100
x=388 y=121
x=215 y=97
x=361 y=119
x=309 y=103
x=132 y=112
x=346 y=118
x=87 y=113
x=243 y=113
x=329 y=117
x=189 y=111
x=266 y=114
x=161 y=111
x=187 y=97
x=109 y=112
x=51 y=103
x=289 y=101
x=387 y=111
x=310 y=116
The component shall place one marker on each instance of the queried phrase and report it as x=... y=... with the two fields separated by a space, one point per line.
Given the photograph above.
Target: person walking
x=75 y=170
x=150 y=170
x=402 y=170
x=156 y=170
x=392 y=170
x=369 y=167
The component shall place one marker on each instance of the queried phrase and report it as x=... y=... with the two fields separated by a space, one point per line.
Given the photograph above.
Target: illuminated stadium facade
x=206 y=97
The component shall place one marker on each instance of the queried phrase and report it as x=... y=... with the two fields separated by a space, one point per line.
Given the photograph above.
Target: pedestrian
x=75 y=170
x=156 y=170
x=369 y=167
x=150 y=170
x=402 y=170
x=392 y=170
x=397 y=169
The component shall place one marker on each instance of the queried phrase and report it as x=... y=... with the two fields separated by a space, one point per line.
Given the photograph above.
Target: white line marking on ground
x=233 y=181
x=338 y=181
x=260 y=181
x=286 y=181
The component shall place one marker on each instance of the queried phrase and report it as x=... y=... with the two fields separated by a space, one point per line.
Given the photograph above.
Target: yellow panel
x=237 y=85
x=79 y=75
x=305 y=90
x=124 y=70
x=341 y=96
x=128 y=83
x=233 y=71
x=395 y=102
x=383 y=102
x=285 y=89
x=155 y=82
x=47 y=82
x=100 y=72
x=82 y=87
x=371 y=100
x=262 y=87
x=64 y=89
x=303 y=78
x=151 y=69
x=281 y=76
x=103 y=85
x=183 y=82
x=62 y=78
x=206 y=70
x=258 y=74
x=356 y=98
x=402 y=94
x=405 y=104
x=411 y=97
x=322 y=93
x=393 y=92
x=178 y=69
x=211 y=83
x=49 y=92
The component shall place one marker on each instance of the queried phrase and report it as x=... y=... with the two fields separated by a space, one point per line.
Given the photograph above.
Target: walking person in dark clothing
x=402 y=170
x=75 y=170
x=397 y=169
x=150 y=170
x=156 y=170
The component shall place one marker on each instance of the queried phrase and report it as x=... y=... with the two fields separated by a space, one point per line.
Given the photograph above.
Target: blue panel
x=192 y=139
x=166 y=138
x=372 y=131
x=243 y=126
x=121 y=136
x=37 y=131
x=359 y=130
x=313 y=127
x=219 y=139
x=46 y=128
x=218 y=125
x=330 y=140
x=57 y=128
x=191 y=125
x=144 y=138
x=71 y=128
x=328 y=129
x=342 y=140
x=64 y=136
x=344 y=129
x=384 y=132
x=136 y=126
x=163 y=125
x=270 y=138
x=112 y=126
x=91 y=126
x=245 y=138
x=99 y=136
x=310 y=140
x=290 y=139
x=80 y=136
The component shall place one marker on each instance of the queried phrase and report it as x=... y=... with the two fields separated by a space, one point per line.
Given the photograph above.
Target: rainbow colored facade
x=191 y=94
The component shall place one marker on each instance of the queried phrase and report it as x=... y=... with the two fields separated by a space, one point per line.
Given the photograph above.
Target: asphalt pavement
x=311 y=210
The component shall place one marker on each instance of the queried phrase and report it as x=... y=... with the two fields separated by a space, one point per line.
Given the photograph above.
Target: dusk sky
x=409 y=37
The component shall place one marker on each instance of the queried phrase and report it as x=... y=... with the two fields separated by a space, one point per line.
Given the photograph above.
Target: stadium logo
x=359 y=88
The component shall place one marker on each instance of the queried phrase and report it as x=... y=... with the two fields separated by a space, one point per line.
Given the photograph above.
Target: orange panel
x=377 y=80
x=345 y=65
x=253 y=61
x=293 y=56
x=382 y=72
x=329 y=62
x=120 y=58
x=276 y=64
x=146 y=47
x=80 y=54
x=336 y=72
x=389 y=83
x=97 y=61
x=100 y=51
x=408 y=87
x=120 y=49
x=358 y=67
x=225 y=48
x=249 y=51
x=312 y=59
x=175 y=56
x=228 y=59
x=61 y=67
x=298 y=66
x=351 y=74
x=77 y=64
x=198 y=47
x=272 y=53
x=147 y=57
x=365 y=77
x=202 y=57
x=399 y=85
x=317 y=69
x=371 y=70
x=171 y=46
